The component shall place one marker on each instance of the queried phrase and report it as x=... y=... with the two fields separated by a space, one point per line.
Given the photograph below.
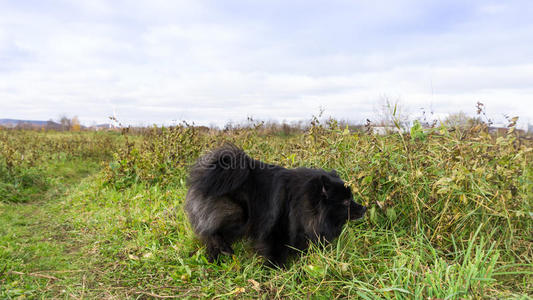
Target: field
x=100 y=215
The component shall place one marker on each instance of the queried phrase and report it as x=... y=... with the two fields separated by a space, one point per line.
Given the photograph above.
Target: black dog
x=232 y=196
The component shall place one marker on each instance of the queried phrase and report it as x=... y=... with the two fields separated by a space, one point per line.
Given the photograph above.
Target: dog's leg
x=274 y=251
x=230 y=228
x=278 y=256
x=216 y=246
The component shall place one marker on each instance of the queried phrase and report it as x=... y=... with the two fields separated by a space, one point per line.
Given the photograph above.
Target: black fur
x=232 y=196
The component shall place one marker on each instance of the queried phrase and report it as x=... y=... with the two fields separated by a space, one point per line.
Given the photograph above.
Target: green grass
x=137 y=242
x=37 y=246
x=444 y=223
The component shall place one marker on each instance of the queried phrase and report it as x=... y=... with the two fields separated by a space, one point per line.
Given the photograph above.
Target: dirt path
x=40 y=251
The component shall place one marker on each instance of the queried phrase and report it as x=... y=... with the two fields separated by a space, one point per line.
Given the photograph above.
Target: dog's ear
x=320 y=186
x=325 y=183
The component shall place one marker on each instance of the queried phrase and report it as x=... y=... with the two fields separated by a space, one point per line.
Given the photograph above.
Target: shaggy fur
x=232 y=196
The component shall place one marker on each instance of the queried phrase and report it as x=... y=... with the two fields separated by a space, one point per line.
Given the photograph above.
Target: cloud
x=211 y=62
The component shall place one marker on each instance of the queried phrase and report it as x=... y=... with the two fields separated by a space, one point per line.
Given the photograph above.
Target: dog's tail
x=221 y=171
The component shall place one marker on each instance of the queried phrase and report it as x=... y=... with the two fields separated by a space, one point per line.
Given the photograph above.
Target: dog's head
x=333 y=203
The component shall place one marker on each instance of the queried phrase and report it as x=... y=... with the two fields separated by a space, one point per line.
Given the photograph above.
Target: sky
x=212 y=62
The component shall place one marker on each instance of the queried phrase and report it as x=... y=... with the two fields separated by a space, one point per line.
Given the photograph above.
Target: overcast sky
x=214 y=61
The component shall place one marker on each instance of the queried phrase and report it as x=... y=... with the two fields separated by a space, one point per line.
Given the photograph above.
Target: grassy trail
x=40 y=251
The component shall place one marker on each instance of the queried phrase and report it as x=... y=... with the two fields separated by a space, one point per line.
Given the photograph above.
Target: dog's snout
x=358 y=211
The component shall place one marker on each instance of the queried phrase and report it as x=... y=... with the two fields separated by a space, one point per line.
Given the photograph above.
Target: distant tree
x=460 y=120
x=75 y=124
x=23 y=125
x=65 y=122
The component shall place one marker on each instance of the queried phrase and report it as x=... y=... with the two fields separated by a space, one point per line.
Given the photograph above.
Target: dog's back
x=220 y=171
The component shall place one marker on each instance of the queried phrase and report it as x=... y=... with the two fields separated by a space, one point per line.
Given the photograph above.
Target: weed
x=450 y=215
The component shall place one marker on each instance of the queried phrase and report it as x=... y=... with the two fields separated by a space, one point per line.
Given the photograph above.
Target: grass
x=450 y=218
x=37 y=245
